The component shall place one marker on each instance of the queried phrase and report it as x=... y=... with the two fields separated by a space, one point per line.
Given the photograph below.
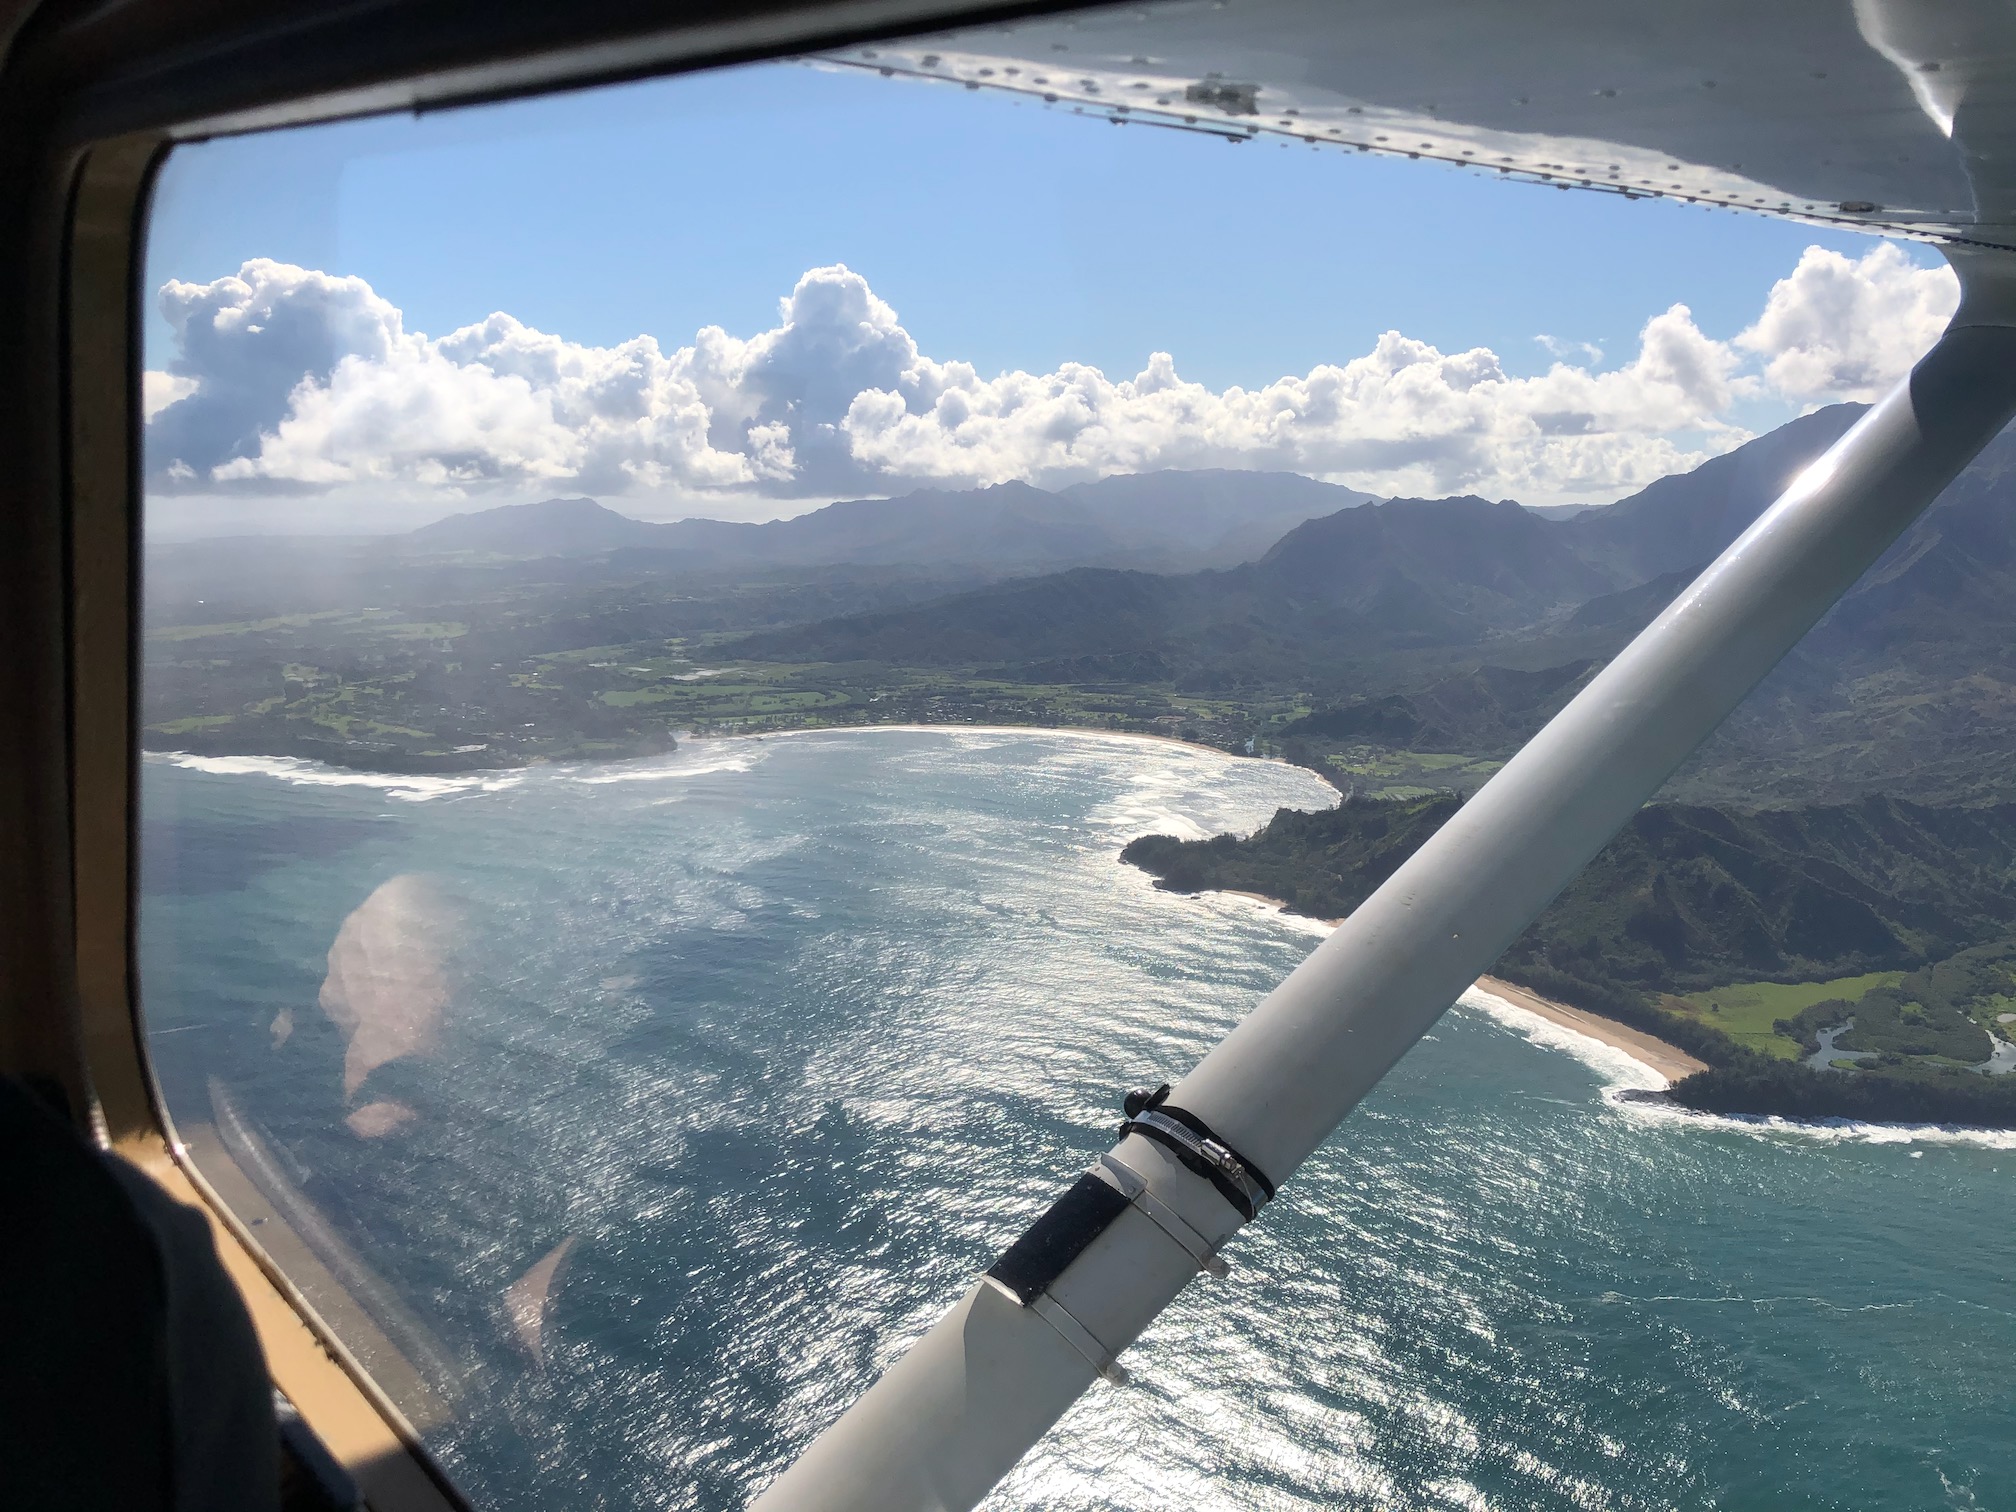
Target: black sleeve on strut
x=1057 y=1238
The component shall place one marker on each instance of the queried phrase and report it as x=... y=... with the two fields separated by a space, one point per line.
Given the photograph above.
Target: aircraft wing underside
x=1895 y=116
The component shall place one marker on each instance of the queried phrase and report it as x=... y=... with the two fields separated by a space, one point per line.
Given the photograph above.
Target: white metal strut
x=983 y=1385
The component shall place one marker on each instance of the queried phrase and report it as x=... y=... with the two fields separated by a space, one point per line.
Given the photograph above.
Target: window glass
x=665 y=607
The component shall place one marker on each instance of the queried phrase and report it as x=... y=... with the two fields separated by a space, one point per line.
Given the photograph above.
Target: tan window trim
x=234 y=65
x=334 y=1394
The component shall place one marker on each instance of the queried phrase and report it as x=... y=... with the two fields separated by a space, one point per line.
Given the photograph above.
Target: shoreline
x=1668 y=1060
x=686 y=739
x=1656 y=1055
x=1650 y=1051
x=1095 y=731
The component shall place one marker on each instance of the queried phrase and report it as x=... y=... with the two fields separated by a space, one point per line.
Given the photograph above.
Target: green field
x=1372 y=772
x=1745 y=1011
x=193 y=722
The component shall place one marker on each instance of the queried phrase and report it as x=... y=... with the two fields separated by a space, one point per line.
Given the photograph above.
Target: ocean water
x=775 y=1044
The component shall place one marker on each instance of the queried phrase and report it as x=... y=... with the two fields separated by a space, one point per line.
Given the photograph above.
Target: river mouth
x=1825 y=1057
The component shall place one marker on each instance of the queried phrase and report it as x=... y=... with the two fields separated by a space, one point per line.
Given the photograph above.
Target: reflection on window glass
x=665 y=607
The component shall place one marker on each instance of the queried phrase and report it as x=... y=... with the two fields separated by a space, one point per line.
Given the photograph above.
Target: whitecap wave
x=1252 y=903
x=1198 y=793
x=1621 y=1071
x=410 y=787
x=1137 y=818
x=1819 y=1131
x=694 y=759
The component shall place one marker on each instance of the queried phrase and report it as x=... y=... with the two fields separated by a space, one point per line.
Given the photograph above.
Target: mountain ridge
x=1397 y=574
x=1180 y=519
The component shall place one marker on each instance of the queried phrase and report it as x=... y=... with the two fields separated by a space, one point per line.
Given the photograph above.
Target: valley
x=1832 y=861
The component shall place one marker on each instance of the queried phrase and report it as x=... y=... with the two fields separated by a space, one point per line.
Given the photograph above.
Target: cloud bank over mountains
x=288 y=380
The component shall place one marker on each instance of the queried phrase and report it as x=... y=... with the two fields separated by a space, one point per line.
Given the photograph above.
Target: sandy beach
x=1669 y=1061
x=1097 y=731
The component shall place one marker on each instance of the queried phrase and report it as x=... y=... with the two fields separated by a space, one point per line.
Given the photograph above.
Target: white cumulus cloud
x=159 y=390
x=1848 y=329
x=300 y=378
x=287 y=379
x=1404 y=418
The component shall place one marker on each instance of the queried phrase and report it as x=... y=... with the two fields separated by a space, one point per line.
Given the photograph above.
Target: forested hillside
x=1689 y=898
x=1686 y=897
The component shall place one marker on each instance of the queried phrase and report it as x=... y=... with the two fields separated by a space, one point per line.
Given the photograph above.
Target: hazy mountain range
x=1397 y=617
x=1441 y=625
x=1165 y=521
x=1406 y=573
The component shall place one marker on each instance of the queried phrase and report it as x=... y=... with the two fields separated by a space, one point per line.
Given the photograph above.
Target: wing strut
x=953 y=1415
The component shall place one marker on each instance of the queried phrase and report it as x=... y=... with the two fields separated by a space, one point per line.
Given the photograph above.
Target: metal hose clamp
x=1237 y=1179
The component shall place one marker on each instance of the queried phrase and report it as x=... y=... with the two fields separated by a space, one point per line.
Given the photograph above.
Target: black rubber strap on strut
x=1058 y=1237
x=1088 y=1209
x=1222 y=1173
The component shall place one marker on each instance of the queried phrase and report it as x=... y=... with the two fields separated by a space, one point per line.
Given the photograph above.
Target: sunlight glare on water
x=786 y=1039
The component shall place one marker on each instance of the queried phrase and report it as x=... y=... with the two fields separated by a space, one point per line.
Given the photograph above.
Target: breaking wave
x=409 y=787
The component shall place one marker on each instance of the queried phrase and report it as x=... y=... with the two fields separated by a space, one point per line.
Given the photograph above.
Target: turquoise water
x=784 y=1040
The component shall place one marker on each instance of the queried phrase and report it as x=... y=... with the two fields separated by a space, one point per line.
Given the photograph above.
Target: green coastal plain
x=1750 y=1012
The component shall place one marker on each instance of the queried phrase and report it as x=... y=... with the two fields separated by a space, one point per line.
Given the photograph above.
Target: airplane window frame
x=98 y=99
x=95 y=98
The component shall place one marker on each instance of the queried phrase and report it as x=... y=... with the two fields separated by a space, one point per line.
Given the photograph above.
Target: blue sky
x=1005 y=235
x=1009 y=235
